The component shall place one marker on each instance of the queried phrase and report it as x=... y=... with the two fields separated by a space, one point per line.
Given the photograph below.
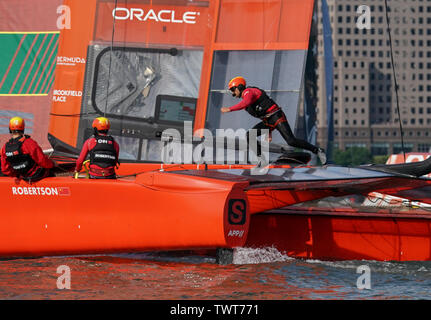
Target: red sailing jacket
x=30 y=147
x=95 y=170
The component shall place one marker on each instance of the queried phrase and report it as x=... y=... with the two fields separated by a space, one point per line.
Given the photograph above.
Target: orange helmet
x=16 y=124
x=235 y=82
x=101 y=124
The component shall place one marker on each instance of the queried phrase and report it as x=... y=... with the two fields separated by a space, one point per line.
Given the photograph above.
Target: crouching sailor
x=22 y=157
x=259 y=105
x=103 y=150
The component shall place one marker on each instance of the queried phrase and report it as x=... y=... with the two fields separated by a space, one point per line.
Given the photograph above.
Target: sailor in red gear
x=22 y=157
x=258 y=104
x=103 y=151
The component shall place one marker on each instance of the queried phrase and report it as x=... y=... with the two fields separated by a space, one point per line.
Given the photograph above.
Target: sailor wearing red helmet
x=103 y=150
x=22 y=157
x=258 y=104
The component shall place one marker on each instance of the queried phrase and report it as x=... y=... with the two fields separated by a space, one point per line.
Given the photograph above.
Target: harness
x=103 y=154
x=20 y=162
x=277 y=122
x=260 y=107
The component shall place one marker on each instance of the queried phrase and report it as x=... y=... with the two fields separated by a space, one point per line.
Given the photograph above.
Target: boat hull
x=61 y=215
x=343 y=234
x=152 y=208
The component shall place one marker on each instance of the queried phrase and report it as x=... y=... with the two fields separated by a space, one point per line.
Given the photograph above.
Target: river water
x=256 y=274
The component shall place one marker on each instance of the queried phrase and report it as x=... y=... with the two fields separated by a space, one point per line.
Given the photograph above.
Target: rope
x=395 y=80
x=72 y=114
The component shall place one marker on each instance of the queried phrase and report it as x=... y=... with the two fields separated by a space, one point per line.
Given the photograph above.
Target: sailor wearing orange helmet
x=103 y=150
x=258 y=104
x=22 y=157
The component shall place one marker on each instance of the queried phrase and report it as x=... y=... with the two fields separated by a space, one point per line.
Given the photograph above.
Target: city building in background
x=365 y=102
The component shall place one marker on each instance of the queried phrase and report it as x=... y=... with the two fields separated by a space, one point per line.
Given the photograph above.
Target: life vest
x=103 y=154
x=261 y=105
x=19 y=161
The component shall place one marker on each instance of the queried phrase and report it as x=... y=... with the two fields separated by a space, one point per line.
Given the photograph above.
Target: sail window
x=277 y=72
x=127 y=81
x=143 y=91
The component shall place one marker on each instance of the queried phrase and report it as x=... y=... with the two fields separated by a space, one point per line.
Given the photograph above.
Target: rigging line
x=71 y=115
x=110 y=56
x=180 y=165
x=395 y=80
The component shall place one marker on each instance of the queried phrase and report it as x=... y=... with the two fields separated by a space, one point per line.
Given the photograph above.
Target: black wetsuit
x=258 y=104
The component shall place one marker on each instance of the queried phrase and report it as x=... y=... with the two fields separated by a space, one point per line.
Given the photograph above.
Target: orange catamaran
x=152 y=66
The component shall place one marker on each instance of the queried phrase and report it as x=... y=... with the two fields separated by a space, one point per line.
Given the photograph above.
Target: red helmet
x=101 y=124
x=16 y=124
x=235 y=82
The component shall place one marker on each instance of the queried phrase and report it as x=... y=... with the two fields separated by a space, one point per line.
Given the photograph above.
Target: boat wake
x=258 y=255
x=240 y=256
x=382 y=267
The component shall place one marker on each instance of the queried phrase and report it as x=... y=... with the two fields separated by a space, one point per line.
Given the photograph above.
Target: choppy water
x=263 y=274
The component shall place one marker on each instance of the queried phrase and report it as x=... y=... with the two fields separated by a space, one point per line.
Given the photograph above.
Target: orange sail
x=132 y=62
